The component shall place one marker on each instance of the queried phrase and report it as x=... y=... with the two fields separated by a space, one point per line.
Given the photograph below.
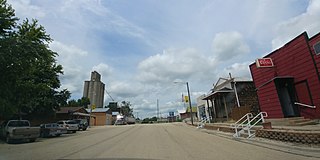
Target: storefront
x=288 y=80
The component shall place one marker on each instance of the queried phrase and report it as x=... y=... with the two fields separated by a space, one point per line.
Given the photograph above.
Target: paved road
x=161 y=141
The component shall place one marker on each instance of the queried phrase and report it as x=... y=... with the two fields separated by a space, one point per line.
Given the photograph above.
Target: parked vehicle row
x=21 y=130
x=18 y=129
x=52 y=129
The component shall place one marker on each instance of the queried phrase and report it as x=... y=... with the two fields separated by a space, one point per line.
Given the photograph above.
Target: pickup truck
x=18 y=130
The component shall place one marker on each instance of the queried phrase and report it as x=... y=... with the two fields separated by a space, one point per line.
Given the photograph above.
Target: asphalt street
x=158 y=141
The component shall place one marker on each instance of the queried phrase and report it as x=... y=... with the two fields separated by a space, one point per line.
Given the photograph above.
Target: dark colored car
x=83 y=124
x=51 y=129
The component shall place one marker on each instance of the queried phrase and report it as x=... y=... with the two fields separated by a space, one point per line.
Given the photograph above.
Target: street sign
x=264 y=62
x=186 y=99
x=93 y=106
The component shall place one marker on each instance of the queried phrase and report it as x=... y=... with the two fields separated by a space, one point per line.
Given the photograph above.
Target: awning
x=82 y=114
x=272 y=79
x=211 y=95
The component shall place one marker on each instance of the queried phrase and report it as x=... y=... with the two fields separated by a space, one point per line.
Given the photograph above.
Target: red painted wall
x=295 y=60
x=316 y=91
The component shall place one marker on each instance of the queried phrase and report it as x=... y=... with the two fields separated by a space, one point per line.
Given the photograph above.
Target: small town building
x=101 y=116
x=66 y=113
x=230 y=99
x=288 y=80
x=187 y=113
x=202 y=108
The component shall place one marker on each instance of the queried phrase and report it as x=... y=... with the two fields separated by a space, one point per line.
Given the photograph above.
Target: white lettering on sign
x=264 y=62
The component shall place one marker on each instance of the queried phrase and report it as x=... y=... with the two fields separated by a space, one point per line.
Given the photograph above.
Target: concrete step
x=309 y=122
x=293 y=122
x=283 y=121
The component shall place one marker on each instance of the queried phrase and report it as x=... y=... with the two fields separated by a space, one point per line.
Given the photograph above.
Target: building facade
x=290 y=85
x=203 y=110
x=94 y=90
x=231 y=98
x=100 y=117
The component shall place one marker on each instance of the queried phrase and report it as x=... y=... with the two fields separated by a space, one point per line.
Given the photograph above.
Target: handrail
x=204 y=121
x=305 y=105
x=248 y=116
x=261 y=115
x=236 y=125
x=248 y=125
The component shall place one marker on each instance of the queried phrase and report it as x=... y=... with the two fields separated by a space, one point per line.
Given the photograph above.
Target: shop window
x=317 y=48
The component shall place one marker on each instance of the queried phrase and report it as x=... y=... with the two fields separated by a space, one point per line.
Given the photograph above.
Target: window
x=317 y=48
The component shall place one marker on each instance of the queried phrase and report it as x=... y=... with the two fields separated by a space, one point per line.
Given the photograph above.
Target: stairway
x=302 y=122
x=293 y=121
x=244 y=126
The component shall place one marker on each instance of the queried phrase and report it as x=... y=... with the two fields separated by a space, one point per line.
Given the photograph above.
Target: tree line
x=29 y=81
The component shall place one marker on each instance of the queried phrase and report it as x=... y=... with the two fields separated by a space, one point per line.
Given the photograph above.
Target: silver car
x=71 y=125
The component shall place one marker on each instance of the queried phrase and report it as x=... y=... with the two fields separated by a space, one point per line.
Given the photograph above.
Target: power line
x=109 y=95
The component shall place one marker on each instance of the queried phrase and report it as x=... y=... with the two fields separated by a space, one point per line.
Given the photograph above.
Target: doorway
x=286 y=94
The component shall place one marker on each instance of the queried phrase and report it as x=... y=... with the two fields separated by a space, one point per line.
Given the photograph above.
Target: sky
x=141 y=47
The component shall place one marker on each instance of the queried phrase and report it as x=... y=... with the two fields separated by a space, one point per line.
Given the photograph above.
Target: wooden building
x=231 y=98
x=66 y=113
x=288 y=79
x=101 y=117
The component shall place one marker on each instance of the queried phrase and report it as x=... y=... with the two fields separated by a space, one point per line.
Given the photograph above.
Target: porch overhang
x=213 y=94
x=82 y=114
x=272 y=79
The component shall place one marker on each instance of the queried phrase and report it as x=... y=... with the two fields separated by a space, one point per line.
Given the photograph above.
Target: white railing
x=247 y=122
x=305 y=105
x=241 y=123
x=203 y=122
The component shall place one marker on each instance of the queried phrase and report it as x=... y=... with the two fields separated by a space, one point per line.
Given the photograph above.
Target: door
x=286 y=94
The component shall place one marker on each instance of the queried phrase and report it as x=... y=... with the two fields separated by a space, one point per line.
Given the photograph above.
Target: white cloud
x=25 y=8
x=228 y=45
x=175 y=64
x=308 y=21
x=124 y=90
x=103 y=69
x=237 y=70
x=74 y=73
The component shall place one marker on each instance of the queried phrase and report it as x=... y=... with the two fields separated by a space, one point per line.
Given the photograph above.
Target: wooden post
x=225 y=107
x=214 y=109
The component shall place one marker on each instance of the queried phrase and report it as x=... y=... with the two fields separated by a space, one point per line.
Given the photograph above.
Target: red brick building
x=290 y=87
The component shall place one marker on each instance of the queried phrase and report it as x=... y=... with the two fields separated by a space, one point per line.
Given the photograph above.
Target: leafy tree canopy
x=30 y=73
x=125 y=109
x=82 y=102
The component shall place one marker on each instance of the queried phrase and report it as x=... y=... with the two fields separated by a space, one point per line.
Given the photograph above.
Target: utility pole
x=158 y=108
x=190 y=103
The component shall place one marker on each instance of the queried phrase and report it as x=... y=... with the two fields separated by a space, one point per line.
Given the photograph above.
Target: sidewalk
x=308 y=150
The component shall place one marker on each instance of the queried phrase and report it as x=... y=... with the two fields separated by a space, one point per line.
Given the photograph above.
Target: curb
x=269 y=144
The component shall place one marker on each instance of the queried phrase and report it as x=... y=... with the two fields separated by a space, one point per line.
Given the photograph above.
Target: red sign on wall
x=264 y=62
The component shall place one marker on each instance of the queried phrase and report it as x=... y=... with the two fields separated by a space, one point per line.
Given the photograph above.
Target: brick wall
x=305 y=137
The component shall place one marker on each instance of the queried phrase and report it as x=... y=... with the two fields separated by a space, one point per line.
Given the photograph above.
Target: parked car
x=83 y=124
x=18 y=130
x=71 y=125
x=51 y=129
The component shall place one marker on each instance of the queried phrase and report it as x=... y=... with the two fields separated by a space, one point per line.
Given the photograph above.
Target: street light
x=189 y=100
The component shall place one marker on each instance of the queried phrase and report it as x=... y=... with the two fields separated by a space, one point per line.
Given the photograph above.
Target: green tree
x=84 y=102
x=113 y=106
x=125 y=109
x=31 y=75
x=153 y=119
x=73 y=103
